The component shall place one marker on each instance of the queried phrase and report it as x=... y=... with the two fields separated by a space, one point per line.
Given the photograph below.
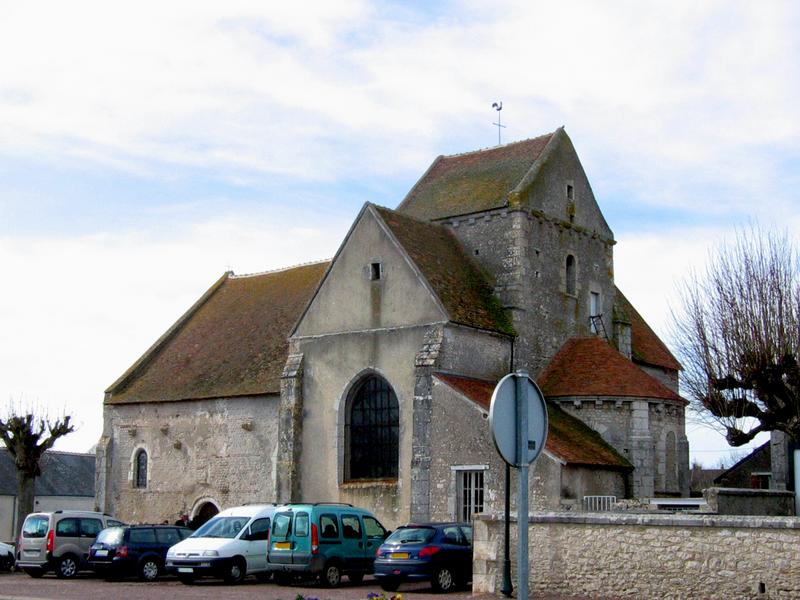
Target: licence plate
x=399 y=555
x=283 y=545
x=101 y=553
x=185 y=570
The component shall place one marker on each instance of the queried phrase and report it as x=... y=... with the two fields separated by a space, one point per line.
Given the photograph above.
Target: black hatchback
x=134 y=550
x=437 y=552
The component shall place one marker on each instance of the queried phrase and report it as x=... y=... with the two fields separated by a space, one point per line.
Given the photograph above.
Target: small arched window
x=372 y=431
x=140 y=469
x=570 y=274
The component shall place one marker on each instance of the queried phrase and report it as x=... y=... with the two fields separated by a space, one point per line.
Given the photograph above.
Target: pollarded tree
x=739 y=337
x=27 y=438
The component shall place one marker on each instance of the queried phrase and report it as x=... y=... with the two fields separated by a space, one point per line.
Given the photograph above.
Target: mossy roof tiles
x=234 y=343
x=589 y=366
x=568 y=438
x=464 y=291
x=472 y=182
x=646 y=347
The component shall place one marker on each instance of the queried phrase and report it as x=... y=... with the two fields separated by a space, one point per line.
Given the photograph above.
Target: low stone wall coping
x=656 y=520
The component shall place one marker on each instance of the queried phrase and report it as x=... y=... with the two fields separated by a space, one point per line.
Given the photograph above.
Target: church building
x=367 y=379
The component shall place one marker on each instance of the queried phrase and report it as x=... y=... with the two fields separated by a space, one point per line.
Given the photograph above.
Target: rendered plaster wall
x=219 y=450
x=473 y=353
x=333 y=365
x=462 y=437
x=647 y=557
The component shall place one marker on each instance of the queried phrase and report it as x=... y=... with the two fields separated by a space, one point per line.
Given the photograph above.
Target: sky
x=148 y=147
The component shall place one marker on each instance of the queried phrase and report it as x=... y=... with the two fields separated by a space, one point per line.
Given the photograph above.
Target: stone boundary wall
x=647 y=556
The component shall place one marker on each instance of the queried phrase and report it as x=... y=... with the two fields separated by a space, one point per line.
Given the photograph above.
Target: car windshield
x=221 y=527
x=411 y=535
x=111 y=536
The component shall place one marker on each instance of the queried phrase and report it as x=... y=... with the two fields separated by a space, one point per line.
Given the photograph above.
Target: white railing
x=599 y=503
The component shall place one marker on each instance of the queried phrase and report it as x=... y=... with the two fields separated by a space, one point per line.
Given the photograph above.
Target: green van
x=324 y=540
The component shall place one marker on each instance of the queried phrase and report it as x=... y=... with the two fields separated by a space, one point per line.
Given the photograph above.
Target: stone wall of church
x=472 y=353
x=650 y=434
x=221 y=451
x=646 y=557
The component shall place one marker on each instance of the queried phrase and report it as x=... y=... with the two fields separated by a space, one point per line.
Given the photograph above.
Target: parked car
x=138 y=550
x=437 y=552
x=6 y=556
x=324 y=540
x=59 y=541
x=230 y=546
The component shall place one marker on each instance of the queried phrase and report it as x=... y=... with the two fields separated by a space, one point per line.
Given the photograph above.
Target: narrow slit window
x=375 y=271
x=570 y=275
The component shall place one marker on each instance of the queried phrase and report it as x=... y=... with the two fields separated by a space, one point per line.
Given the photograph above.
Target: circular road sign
x=505 y=413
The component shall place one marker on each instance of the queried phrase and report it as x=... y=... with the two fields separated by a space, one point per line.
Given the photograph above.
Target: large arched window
x=372 y=431
x=140 y=469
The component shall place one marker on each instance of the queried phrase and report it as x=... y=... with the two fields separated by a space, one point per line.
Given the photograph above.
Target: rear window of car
x=329 y=526
x=411 y=535
x=142 y=536
x=301 y=525
x=35 y=527
x=282 y=524
x=111 y=536
x=91 y=527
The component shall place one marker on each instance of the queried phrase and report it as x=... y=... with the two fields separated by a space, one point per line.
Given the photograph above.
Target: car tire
x=236 y=572
x=149 y=569
x=443 y=580
x=67 y=567
x=355 y=578
x=186 y=579
x=389 y=584
x=35 y=573
x=331 y=576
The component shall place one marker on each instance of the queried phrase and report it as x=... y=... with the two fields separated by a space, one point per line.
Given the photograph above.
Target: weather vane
x=498 y=106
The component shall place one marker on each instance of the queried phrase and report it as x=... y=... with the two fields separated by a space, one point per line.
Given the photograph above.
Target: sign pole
x=522 y=491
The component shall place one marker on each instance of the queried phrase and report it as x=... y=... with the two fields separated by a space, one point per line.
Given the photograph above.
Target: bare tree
x=27 y=438
x=739 y=335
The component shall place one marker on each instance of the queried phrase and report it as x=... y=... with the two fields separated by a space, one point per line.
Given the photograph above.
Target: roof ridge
x=479 y=150
x=50 y=451
x=278 y=270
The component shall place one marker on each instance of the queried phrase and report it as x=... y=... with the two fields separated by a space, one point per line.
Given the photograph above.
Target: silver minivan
x=59 y=541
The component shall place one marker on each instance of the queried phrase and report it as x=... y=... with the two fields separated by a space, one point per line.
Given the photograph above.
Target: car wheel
x=443 y=580
x=389 y=584
x=331 y=575
x=283 y=578
x=149 y=570
x=236 y=571
x=186 y=579
x=35 y=573
x=67 y=567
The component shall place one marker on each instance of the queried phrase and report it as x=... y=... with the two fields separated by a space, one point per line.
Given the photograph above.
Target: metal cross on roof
x=498 y=106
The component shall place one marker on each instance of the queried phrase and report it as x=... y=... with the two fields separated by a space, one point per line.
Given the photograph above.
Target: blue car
x=437 y=552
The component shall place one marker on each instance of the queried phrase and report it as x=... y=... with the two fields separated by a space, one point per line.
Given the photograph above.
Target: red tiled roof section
x=646 y=346
x=472 y=182
x=462 y=288
x=233 y=344
x=568 y=438
x=591 y=367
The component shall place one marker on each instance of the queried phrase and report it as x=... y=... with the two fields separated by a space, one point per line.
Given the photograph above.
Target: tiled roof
x=233 y=343
x=472 y=182
x=568 y=438
x=63 y=474
x=464 y=291
x=646 y=347
x=589 y=366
